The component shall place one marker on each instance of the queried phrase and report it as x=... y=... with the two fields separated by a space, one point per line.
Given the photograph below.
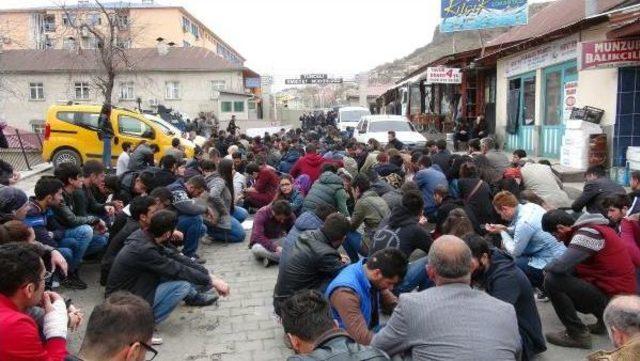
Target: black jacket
x=337 y=345
x=411 y=235
x=442 y=159
x=311 y=264
x=116 y=243
x=480 y=202
x=448 y=204
x=397 y=144
x=142 y=265
x=65 y=215
x=594 y=193
x=86 y=204
x=505 y=281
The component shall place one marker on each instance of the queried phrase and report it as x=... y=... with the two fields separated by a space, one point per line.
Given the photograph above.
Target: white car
x=350 y=116
x=170 y=129
x=377 y=126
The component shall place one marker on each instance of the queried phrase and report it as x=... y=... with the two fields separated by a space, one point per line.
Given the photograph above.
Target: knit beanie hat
x=12 y=199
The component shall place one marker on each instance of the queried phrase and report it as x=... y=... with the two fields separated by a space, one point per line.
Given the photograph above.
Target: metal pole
x=26 y=159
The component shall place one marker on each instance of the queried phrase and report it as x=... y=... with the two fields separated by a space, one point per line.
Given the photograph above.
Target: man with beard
x=496 y=272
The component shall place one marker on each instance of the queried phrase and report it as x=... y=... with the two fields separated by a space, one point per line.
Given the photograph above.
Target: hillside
x=441 y=44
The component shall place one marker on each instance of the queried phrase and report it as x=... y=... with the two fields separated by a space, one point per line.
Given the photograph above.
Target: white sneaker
x=156 y=341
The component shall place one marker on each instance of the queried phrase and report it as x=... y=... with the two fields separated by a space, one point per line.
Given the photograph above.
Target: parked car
x=175 y=131
x=350 y=116
x=71 y=133
x=377 y=127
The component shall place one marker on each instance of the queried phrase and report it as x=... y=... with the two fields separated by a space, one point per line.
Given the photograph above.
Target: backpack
x=386 y=237
x=394 y=180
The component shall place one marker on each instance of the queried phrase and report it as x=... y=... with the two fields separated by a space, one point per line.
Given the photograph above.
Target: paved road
x=241 y=327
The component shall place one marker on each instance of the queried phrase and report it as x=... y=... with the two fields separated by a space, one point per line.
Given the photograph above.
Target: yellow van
x=71 y=135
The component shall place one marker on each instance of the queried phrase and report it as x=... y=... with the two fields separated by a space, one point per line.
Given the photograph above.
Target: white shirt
x=123 y=163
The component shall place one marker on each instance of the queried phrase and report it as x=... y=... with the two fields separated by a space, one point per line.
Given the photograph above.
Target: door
x=522 y=97
x=555 y=82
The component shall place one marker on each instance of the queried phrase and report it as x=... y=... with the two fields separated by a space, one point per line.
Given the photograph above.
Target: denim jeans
x=68 y=251
x=352 y=245
x=98 y=244
x=236 y=234
x=168 y=296
x=78 y=240
x=535 y=276
x=416 y=277
x=193 y=229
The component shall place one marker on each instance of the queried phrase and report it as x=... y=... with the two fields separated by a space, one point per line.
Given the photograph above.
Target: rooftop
x=177 y=59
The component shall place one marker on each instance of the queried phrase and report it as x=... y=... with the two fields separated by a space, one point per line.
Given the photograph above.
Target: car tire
x=66 y=156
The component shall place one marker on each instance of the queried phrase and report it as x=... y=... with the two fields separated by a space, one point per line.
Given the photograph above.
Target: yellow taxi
x=71 y=133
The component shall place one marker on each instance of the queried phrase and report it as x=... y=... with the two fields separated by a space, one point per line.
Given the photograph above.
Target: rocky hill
x=441 y=44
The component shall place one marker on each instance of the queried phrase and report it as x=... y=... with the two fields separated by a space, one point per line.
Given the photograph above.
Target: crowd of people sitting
x=355 y=229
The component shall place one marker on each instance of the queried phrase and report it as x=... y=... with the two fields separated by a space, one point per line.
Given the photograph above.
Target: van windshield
x=387 y=125
x=353 y=115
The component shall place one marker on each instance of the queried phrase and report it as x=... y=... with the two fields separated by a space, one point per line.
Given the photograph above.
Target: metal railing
x=23 y=149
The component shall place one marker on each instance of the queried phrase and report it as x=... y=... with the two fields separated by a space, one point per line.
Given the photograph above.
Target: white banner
x=442 y=75
x=553 y=53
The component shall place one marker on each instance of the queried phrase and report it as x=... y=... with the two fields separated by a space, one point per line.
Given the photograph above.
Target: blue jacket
x=288 y=160
x=306 y=222
x=525 y=238
x=353 y=277
x=427 y=180
x=295 y=201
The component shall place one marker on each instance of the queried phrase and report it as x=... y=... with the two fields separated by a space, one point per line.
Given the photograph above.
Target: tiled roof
x=177 y=59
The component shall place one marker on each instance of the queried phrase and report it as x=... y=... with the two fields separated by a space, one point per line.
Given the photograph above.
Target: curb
x=40 y=168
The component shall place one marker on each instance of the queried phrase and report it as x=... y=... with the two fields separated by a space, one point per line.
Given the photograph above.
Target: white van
x=350 y=116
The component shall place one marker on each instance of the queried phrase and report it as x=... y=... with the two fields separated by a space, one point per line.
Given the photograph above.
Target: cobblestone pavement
x=242 y=327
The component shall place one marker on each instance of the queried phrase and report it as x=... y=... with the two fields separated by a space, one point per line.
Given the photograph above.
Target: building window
x=36 y=91
x=49 y=23
x=251 y=105
x=238 y=107
x=94 y=19
x=194 y=30
x=217 y=85
x=126 y=90
x=226 y=107
x=186 y=24
x=68 y=19
x=186 y=44
x=69 y=43
x=82 y=90
x=172 y=90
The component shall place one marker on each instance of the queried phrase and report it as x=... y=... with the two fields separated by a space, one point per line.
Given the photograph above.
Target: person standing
x=123 y=159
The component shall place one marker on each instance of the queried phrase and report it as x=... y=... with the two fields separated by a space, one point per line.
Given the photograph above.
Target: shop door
x=556 y=80
x=523 y=90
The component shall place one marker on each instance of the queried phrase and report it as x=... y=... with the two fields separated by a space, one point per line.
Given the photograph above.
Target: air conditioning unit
x=153 y=102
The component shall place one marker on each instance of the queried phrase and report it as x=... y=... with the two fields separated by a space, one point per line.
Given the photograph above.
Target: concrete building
x=188 y=79
x=138 y=26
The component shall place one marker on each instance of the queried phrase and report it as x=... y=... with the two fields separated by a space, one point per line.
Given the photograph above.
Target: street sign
x=609 y=53
x=442 y=75
x=313 y=76
x=313 y=81
x=460 y=15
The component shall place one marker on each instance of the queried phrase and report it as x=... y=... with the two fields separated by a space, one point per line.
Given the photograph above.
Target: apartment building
x=138 y=25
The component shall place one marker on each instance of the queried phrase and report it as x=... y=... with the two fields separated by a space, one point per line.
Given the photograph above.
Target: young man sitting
x=22 y=287
x=360 y=290
x=307 y=321
x=314 y=260
x=120 y=329
x=270 y=224
x=190 y=217
x=595 y=267
x=163 y=277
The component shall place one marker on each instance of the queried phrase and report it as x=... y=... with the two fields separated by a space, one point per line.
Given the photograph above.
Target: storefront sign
x=442 y=75
x=313 y=76
x=543 y=56
x=460 y=15
x=570 y=98
x=313 y=81
x=252 y=83
x=609 y=53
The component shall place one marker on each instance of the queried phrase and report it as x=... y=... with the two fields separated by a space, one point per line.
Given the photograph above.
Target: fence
x=24 y=148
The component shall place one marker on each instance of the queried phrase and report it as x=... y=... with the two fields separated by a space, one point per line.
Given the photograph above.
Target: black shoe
x=597 y=328
x=564 y=339
x=202 y=299
x=198 y=260
x=73 y=282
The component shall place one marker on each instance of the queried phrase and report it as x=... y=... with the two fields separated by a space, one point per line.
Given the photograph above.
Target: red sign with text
x=609 y=53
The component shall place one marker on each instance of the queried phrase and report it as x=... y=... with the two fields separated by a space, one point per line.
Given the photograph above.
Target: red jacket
x=630 y=235
x=311 y=165
x=610 y=269
x=20 y=339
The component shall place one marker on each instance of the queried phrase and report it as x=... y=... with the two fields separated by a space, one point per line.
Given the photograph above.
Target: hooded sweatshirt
x=410 y=234
x=311 y=164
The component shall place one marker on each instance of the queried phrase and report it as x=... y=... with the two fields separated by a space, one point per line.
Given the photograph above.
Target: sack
x=385 y=237
x=394 y=180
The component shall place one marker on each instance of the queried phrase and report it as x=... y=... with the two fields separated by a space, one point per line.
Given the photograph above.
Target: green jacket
x=329 y=190
x=370 y=209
